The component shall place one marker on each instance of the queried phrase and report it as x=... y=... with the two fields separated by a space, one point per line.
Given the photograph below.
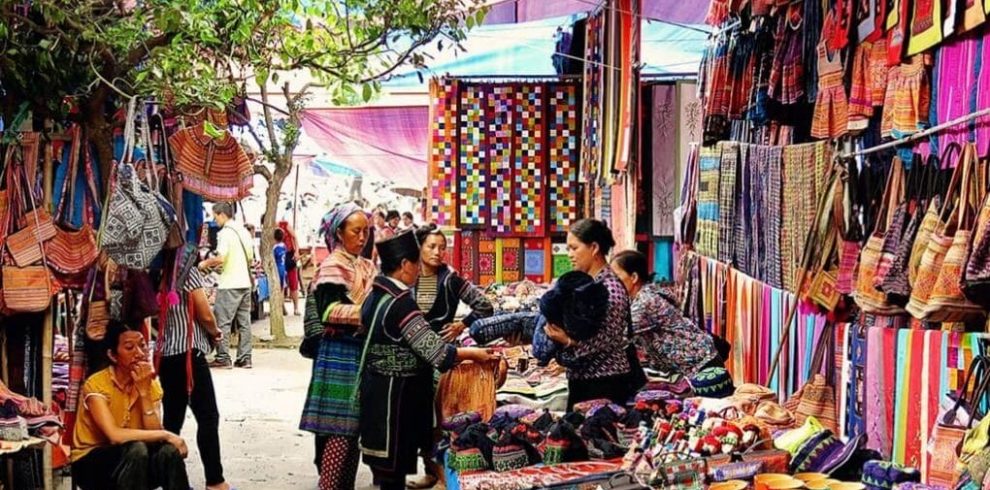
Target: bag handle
x=891 y=190
x=825 y=343
x=71 y=174
x=978 y=363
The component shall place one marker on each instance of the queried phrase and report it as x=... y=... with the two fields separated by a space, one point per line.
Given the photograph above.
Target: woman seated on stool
x=118 y=441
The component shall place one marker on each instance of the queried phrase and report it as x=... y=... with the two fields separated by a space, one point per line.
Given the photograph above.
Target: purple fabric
x=956 y=83
x=389 y=142
x=531 y=10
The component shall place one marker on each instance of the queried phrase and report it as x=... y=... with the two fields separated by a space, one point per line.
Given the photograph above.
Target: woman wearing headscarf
x=333 y=329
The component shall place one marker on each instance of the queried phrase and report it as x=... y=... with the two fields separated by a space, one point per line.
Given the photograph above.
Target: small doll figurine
x=751 y=435
x=730 y=438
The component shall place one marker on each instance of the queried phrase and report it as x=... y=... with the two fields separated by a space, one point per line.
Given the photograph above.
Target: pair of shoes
x=246 y=364
x=217 y=363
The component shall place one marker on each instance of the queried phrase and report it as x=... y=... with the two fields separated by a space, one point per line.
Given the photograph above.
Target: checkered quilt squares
x=443 y=152
x=474 y=169
x=501 y=99
x=563 y=157
x=528 y=163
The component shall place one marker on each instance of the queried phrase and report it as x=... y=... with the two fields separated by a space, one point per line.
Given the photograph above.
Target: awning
x=514 y=11
x=386 y=142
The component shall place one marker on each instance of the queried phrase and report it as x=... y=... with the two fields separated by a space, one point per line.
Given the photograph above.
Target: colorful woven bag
x=869 y=299
x=951 y=426
x=947 y=302
x=976 y=281
x=817 y=397
x=26 y=289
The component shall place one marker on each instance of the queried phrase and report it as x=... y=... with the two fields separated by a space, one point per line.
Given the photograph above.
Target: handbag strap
x=978 y=365
x=71 y=174
x=891 y=196
x=825 y=344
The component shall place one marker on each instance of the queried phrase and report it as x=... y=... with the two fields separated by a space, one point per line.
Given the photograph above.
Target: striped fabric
x=727 y=191
x=175 y=336
x=426 y=292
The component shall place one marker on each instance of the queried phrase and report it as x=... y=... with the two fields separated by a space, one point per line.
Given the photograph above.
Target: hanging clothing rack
x=917 y=136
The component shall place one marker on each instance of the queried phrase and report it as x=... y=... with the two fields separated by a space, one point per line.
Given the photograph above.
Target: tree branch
x=269 y=121
x=263 y=171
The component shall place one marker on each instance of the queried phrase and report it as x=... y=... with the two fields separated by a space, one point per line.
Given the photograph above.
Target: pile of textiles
x=515 y=297
x=532 y=385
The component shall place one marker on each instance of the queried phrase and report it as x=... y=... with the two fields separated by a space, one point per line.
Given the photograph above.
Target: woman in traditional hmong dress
x=399 y=361
x=333 y=315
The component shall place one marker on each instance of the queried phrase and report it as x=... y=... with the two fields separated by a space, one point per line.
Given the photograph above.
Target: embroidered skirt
x=831 y=118
x=331 y=405
x=395 y=422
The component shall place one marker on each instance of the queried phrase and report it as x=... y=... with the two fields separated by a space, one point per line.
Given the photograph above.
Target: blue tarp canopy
x=525 y=50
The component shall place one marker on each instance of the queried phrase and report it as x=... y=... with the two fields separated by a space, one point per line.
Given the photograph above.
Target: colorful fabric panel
x=563 y=157
x=474 y=170
x=508 y=260
x=500 y=133
x=591 y=141
x=707 y=234
x=536 y=252
x=443 y=151
x=468 y=265
x=561 y=262
x=486 y=260
x=727 y=191
x=528 y=162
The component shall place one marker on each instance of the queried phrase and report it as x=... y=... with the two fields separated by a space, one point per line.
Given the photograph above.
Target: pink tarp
x=512 y=11
x=387 y=142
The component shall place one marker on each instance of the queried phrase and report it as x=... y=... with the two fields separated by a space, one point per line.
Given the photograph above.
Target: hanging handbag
x=869 y=299
x=817 y=397
x=896 y=284
x=172 y=185
x=947 y=302
x=24 y=245
x=26 y=288
x=849 y=233
x=823 y=290
x=71 y=252
x=976 y=281
x=933 y=217
x=140 y=299
x=950 y=429
x=938 y=245
x=96 y=306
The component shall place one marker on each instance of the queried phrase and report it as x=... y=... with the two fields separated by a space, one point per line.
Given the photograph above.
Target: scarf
x=355 y=273
x=333 y=220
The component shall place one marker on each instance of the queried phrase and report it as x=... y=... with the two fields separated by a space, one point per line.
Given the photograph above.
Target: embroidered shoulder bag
x=71 y=252
x=27 y=288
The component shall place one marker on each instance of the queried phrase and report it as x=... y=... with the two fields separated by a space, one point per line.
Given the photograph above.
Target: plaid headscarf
x=333 y=220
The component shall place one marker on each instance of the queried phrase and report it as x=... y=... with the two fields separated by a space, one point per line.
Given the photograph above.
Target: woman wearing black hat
x=604 y=366
x=400 y=355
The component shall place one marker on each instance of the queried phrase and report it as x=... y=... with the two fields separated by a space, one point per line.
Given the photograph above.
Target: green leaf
x=367 y=91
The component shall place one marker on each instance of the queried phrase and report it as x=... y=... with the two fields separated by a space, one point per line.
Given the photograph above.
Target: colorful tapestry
x=663 y=259
x=469 y=255
x=486 y=260
x=563 y=158
x=474 y=170
x=605 y=203
x=591 y=140
x=500 y=102
x=508 y=260
x=561 y=261
x=707 y=234
x=535 y=263
x=528 y=163
x=663 y=129
x=443 y=153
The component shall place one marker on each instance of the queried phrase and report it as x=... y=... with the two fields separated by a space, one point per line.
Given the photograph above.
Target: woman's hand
x=452 y=330
x=179 y=444
x=142 y=374
x=478 y=354
x=557 y=335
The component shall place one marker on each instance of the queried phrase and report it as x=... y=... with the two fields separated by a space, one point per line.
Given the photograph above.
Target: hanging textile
x=708 y=194
x=925 y=27
x=663 y=127
x=563 y=157
x=529 y=164
x=472 y=149
x=561 y=261
x=500 y=103
x=443 y=152
x=591 y=140
x=508 y=260
x=535 y=263
x=727 y=192
x=468 y=267
x=486 y=260
x=215 y=168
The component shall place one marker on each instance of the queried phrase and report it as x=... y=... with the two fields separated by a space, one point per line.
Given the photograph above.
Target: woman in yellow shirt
x=118 y=441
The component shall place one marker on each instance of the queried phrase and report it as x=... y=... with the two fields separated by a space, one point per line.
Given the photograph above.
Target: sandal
x=428 y=481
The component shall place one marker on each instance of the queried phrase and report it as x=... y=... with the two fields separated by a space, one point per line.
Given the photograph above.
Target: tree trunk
x=100 y=132
x=268 y=225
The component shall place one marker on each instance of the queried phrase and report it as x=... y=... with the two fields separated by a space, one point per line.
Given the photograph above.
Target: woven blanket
x=468 y=265
x=472 y=152
x=443 y=151
x=500 y=103
x=708 y=205
x=528 y=194
x=486 y=260
x=562 y=130
x=535 y=259
x=591 y=141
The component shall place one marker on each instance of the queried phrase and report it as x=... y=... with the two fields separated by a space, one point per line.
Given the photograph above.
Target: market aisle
x=259 y=413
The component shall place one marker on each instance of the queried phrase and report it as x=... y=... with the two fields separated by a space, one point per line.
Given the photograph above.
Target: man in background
x=235 y=254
